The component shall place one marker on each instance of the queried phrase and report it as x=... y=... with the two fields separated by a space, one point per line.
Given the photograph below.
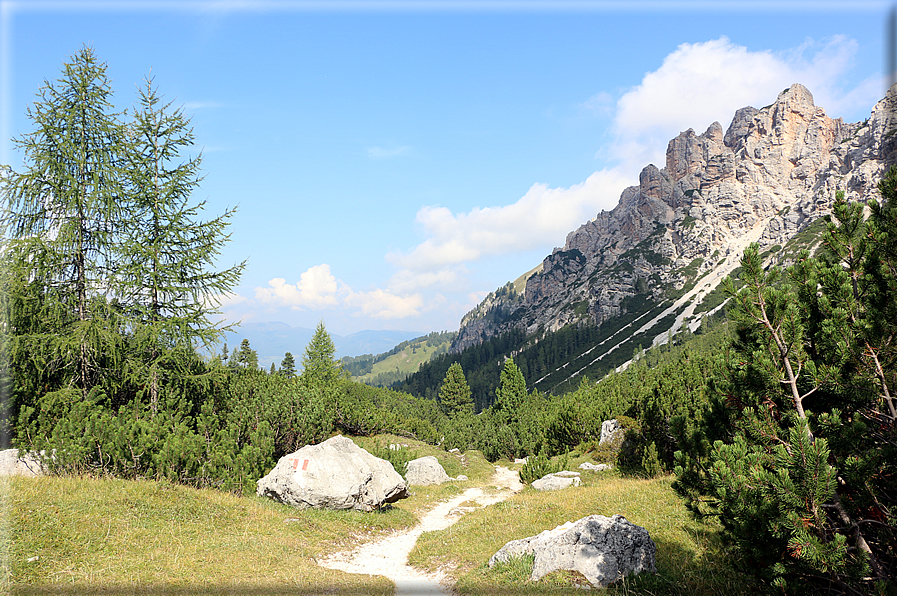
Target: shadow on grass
x=681 y=572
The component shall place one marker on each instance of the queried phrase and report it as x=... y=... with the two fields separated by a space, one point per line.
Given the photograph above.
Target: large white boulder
x=610 y=431
x=334 y=474
x=13 y=464
x=425 y=470
x=557 y=481
x=603 y=549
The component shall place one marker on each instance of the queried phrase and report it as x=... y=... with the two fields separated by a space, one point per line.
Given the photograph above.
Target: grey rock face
x=557 y=481
x=12 y=464
x=603 y=549
x=424 y=471
x=334 y=474
x=772 y=173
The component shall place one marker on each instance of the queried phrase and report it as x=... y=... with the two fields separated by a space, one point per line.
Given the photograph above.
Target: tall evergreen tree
x=247 y=358
x=67 y=204
x=454 y=394
x=167 y=284
x=318 y=364
x=288 y=366
x=510 y=396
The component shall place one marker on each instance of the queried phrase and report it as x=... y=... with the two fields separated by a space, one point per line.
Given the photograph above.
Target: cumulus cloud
x=317 y=288
x=542 y=216
x=381 y=304
x=700 y=83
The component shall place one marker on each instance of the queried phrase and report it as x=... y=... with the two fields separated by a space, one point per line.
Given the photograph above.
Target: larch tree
x=64 y=209
x=168 y=284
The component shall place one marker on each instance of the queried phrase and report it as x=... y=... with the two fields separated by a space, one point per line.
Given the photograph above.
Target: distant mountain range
x=272 y=340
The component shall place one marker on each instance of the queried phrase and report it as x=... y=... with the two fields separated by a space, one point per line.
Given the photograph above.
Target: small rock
x=14 y=464
x=610 y=429
x=461 y=477
x=556 y=482
x=424 y=471
x=595 y=467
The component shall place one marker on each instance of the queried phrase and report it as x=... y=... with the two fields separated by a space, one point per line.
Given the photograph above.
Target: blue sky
x=394 y=162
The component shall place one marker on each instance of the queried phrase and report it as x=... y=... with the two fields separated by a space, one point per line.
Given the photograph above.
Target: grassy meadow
x=76 y=535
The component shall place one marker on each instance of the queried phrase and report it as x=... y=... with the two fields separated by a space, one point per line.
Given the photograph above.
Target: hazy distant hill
x=272 y=340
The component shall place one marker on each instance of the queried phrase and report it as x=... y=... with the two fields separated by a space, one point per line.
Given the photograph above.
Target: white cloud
x=705 y=82
x=381 y=304
x=543 y=216
x=317 y=288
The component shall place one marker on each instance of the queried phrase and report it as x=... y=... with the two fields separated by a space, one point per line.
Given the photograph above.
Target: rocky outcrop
x=603 y=549
x=768 y=176
x=424 y=471
x=334 y=474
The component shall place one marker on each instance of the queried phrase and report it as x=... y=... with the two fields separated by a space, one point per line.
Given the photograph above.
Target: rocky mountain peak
x=774 y=171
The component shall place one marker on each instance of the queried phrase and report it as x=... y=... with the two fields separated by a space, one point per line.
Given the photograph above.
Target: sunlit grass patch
x=689 y=560
x=85 y=534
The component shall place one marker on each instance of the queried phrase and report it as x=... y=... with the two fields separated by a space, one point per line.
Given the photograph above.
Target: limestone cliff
x=683 y=227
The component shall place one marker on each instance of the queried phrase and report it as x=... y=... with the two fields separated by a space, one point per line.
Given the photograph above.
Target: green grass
x=96 y=535
x=115 y=536
x=99 y=535
x=689 y=557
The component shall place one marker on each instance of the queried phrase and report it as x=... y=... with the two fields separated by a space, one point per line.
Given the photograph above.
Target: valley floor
x=66 y=535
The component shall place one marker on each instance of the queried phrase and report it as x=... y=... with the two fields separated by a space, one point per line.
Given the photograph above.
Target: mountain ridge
x=771 y=174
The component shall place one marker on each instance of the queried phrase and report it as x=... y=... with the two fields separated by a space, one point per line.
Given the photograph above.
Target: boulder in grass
x=424 y=471
x=557 y=481
x=611 y=431
x=334 y=474
x=603 y=549
x=595 y=467
x=14 y=464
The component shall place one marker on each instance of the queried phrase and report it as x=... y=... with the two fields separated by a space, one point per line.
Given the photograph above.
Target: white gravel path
x=389 y=556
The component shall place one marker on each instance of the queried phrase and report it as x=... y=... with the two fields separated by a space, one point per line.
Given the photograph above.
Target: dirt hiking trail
x=389 y=556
